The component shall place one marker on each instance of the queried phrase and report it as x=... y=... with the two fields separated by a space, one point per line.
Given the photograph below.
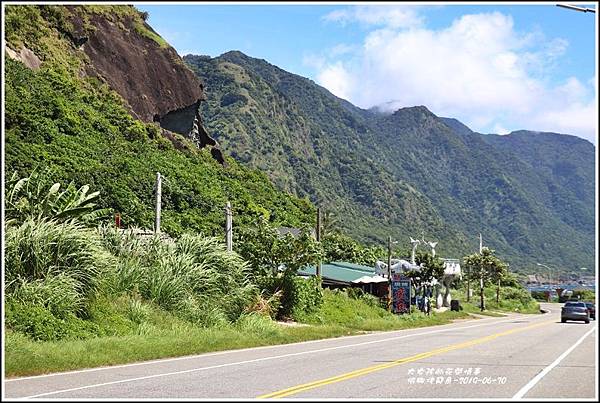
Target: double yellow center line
x=368 y=370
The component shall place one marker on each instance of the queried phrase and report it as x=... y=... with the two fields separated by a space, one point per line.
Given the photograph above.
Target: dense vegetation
x=85 y=135
x=404 y=174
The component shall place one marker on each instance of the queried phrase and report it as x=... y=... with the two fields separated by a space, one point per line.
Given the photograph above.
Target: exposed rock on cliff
x=26 y=56
x=150 y=77
x=148 y=73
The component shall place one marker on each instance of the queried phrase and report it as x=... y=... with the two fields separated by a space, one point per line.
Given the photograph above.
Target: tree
x=267 y=251
x=431 y=267
x=276 y=259
x=339 y=247
x=329 y=223
x=487 y=268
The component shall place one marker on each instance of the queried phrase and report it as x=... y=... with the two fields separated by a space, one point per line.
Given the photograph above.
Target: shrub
x=255 y=323
x=299 y=296
x=40 y=324
x=137 y=311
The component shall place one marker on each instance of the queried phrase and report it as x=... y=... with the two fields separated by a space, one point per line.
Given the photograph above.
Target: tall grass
x=45 y=256
x=195 y=276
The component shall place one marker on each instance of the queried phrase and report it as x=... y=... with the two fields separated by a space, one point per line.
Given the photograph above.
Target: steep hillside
x=566 y=163
x=400 y=174
x=73 y=113
x=487 y=188
x=313 y=144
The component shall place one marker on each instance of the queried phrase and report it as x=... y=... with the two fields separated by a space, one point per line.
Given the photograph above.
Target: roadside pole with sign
x=401 y=289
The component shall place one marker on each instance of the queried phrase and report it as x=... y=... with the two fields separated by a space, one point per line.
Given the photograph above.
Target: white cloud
x=499 y=129
x=479 y=70
x=393 y=16
x=336 y=79
x=341 y=49
x=314 y=61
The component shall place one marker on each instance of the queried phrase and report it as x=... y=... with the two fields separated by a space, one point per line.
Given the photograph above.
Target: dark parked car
x=575 y=311
x=591 y=309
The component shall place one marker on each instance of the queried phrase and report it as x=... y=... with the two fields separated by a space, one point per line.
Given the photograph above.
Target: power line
x=582 y=9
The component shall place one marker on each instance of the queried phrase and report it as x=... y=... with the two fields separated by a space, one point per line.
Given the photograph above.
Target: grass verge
x=512 y=299
x=168 y=336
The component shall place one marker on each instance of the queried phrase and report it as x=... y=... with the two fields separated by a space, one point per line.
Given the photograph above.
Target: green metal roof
x=339 y=271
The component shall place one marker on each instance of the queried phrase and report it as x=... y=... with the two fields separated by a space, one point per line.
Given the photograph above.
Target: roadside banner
x=401 y=287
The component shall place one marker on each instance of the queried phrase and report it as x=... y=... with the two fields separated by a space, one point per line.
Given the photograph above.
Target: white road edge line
x=192 y=356
x=251 y=361
x=545 y=371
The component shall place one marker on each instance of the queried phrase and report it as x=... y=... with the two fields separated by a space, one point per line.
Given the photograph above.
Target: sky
x=495 y=67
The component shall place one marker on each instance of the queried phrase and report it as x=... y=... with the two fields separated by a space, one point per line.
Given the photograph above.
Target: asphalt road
x=518 y=356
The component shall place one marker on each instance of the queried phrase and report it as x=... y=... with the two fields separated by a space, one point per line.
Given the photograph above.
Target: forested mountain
x=408 y=173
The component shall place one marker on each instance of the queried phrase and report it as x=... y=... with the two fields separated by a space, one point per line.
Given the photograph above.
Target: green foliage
x=23 y=23
x=84 y=134
x=539 y=295
x=431 y=268
x=485 y=266
x=584 y=295
x=299 y=296
x=488 y=269
x=260 y=325
x=144 y=30
x=59 y=293
x=341 y=248
x=40 y=324
x=40 y=250
x=36 y=197
x=267 y=251
x=194 y=276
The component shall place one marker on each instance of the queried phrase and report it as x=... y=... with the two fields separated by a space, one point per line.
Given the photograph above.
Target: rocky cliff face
x=148 y=75
x=147 y=72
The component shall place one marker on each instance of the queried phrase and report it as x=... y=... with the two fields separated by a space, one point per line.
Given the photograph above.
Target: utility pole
x=468 y=284
x=481 y=274
x=228 y=227
x=389 y=273
x=319 y=238
x=157 y=211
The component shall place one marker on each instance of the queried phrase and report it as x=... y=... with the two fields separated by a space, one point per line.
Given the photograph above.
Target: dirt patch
x=291 y=323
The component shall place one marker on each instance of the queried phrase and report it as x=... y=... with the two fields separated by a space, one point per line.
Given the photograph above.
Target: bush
x=58 y=293
x=584 y=295
x=299 y=296
x=40 y=324
x=261 y=325
x=137 y=311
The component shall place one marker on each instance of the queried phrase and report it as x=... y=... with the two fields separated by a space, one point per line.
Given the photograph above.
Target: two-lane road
x=518 y=356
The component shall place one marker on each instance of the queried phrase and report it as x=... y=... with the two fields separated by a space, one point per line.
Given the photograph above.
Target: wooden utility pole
x=389 y=273
x=318 y=273
x=157 y=211
x=228 y=227
x=468 y=284
x=498 y=292
x=481 y=296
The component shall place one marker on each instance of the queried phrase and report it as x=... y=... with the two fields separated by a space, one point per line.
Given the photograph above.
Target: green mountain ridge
x=406 y=173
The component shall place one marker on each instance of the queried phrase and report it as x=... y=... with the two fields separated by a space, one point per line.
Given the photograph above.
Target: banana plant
x=36 y=196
